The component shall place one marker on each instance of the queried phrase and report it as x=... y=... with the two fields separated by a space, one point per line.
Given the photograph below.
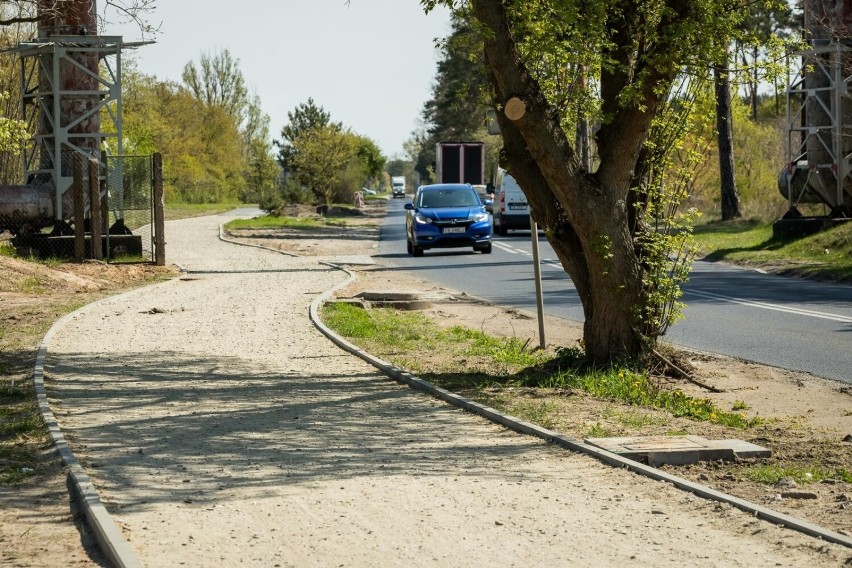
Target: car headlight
x=479 y=217
x=422 y=219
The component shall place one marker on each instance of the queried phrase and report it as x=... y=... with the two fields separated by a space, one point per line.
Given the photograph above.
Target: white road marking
x=510 y=249
x=762 y=305
x=774 y=307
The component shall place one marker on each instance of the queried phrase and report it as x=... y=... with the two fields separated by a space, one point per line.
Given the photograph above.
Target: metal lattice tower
x=68 y=84
x=819 y=127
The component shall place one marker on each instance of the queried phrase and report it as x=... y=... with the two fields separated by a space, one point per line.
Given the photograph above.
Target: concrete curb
x=107 y=534
x=560 y=440
x=225 y=239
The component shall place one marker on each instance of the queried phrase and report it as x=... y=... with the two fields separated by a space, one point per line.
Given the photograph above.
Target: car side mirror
x=409 y=206
x=488 y=202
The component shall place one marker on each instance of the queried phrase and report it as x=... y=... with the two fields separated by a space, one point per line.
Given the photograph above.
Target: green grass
x=7 y=250
x=638 y=389
x=770 y=474
x=15 y=465
x=30 y=285
x=636 y=420
x=539 y=412
x=19 y=419
x=473 y=360
x=129 y=259
x=275 y=222
x=506 y=352
x=827 y=254
x=174 y=211
x=598 y=431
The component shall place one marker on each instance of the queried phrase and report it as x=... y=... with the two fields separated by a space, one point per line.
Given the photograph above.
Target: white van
x=510 y=206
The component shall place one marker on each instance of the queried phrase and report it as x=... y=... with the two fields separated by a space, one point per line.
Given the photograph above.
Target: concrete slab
x=678 y=450
x=397 y=300
x=353 y=260
x=388 y=296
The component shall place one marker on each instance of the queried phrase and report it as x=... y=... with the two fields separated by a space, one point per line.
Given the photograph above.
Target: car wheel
x=417 y=251
x=409 y=247
x=484 y=250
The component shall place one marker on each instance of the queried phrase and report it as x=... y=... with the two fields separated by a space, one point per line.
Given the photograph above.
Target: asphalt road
x=785 y=322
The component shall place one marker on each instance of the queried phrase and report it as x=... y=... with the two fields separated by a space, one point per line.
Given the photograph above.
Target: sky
x=371 y=64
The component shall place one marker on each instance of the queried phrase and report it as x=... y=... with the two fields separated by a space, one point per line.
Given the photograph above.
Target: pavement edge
x=107 y=534
x=566 y=442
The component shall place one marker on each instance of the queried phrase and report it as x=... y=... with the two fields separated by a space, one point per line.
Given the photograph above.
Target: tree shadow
x=193 y=429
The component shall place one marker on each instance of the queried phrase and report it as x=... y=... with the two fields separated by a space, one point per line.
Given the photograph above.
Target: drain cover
x=678 y=450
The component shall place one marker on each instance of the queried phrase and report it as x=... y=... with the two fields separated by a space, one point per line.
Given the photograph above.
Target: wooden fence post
x=79 y=211
x=95 y=208
x=159 y=212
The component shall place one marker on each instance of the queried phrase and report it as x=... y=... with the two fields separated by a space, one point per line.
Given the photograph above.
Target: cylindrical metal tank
x=25 y=209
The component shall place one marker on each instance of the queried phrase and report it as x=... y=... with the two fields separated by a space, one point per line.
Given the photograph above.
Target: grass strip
x=278 y=222
x=825 y=255
x=472 y=362
x=771 y=474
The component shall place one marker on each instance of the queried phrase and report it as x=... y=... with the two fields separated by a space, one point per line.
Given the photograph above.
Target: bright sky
x=370 y=65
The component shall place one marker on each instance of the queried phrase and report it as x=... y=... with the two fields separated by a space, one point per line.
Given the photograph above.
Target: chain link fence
x=130 y=205
x=122 y=193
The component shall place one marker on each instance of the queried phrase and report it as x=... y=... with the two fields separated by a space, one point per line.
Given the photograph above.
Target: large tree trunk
x=728 y=182
x=585 y=215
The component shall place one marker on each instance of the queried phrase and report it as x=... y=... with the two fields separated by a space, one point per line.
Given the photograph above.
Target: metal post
x=539 y=299
x=95 y=208
x=839 y=152
x=79 y=211
x=159 y=212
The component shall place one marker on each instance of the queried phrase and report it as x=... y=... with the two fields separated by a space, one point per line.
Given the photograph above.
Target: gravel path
x=222 y=429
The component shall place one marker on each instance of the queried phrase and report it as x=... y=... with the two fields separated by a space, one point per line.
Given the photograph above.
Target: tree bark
x=725 y=137
x=585 y=215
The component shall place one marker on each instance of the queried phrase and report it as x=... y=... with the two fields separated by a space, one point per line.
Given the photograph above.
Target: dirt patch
x=808 y=420
x=37 y=524
x=357 y=231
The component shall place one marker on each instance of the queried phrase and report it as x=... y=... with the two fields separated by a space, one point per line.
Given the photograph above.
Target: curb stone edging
x=107 y=534
x=561 y=440
x=232 y=241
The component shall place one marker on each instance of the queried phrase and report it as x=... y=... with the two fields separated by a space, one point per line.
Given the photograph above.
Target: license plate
x=517 y=206
x=454 y=229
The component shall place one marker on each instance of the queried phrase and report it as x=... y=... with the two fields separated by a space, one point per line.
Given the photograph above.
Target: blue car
x=447 y=216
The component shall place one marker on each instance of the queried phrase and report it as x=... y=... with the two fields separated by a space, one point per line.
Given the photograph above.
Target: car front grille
x=463 y=222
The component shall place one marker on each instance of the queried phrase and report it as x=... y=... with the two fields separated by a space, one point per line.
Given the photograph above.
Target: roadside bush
x=287 y=193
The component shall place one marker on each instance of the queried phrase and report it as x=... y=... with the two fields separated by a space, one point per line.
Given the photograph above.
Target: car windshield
x=449 y=198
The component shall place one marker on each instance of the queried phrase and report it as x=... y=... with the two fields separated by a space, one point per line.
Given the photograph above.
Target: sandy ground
x=222 y=429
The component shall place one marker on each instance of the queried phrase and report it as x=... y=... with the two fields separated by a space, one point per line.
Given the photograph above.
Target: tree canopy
x=217 y=81
x=331 y=161
x=457 y=106
x=619 y=64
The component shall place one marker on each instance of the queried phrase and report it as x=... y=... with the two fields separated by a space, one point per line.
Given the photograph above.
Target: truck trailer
x=460 y=162
x=398 y=186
